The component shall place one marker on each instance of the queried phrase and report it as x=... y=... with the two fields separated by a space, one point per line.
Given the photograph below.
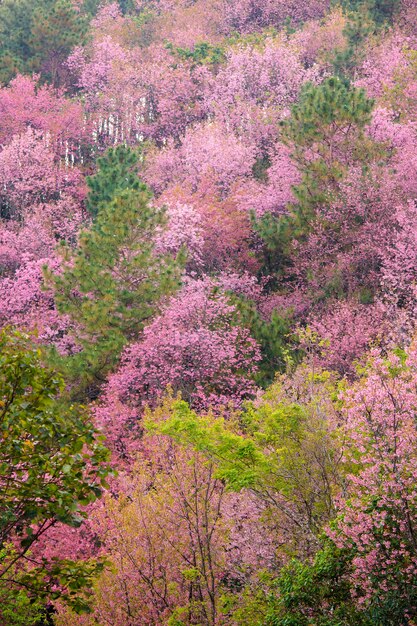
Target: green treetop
x=111 y=284
x=37 y=36
x=116 y=172
x=326 y=135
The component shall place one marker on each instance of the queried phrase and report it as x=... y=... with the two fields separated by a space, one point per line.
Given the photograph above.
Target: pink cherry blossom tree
x=196 y=347
x=378 y=517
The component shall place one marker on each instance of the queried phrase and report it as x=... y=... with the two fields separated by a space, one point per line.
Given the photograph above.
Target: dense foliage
x=52 y=464
x=208 y=304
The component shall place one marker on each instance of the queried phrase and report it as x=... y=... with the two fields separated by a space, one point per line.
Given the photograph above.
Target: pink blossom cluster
x=196 y=347
x=379 y=516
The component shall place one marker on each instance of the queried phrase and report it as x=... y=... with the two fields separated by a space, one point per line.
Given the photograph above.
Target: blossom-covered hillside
x=208 y=307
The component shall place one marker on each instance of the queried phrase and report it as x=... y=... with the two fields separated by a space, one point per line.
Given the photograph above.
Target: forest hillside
x=208 y=307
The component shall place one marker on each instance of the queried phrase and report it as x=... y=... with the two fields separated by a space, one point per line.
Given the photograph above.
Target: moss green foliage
x=50 y=440
x=28 y=592
x=270 y=448
x=282 y=450
x=19 y=609
x=319 y=593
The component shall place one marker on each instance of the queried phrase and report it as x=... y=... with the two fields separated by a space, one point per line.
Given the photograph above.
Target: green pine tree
x=359 y=27
x=127 y=6
x=380 y=11
x=325 y=131
x=111 y=285
x=55 y=32
x=326 y=134
x=116 y=172
x=15 y=32
x=90 y=7
x=278 y=343
x=37 y=36
x=365 y=18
